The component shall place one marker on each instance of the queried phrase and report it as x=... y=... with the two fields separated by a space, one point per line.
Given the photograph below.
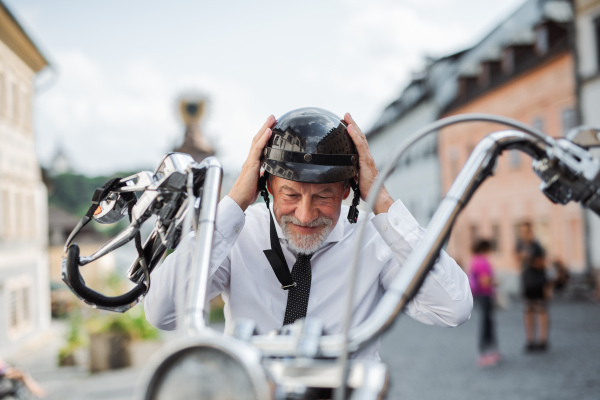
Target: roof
x=440 y=83
x=14 y=36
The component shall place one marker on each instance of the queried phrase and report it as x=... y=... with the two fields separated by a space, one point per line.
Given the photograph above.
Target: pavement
x=440 y=363
x=425 y=362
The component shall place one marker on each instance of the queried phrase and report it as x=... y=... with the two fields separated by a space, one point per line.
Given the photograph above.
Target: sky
x=117 y=67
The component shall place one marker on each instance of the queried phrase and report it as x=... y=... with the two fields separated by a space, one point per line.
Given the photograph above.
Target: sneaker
x=488 y=360
x=542 y=347
x=530 y=347
x=495 y=357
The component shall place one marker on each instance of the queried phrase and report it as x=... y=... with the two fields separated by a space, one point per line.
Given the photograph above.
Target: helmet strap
x=353 y=212
x=275 y=253
x=262 y=187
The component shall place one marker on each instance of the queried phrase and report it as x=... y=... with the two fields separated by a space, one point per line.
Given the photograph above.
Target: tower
x=192 y=108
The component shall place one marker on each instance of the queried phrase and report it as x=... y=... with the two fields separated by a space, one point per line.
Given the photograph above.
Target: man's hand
x=245 y=189
x=367 y=169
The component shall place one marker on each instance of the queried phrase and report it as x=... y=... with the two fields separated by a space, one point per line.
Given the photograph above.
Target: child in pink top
x=481 y=278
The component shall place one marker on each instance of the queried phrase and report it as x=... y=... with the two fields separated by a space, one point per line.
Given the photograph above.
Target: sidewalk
x=71 y=383
x=439 y=363
x=425 y=362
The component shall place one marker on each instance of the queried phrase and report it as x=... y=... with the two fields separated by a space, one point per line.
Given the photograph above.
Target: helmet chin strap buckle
x=353 y=212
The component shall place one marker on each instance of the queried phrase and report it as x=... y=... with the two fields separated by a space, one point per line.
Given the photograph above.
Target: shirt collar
x=334 y=236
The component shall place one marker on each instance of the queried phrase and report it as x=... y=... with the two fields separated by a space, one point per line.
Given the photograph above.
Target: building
x=524 y=69
x=24 y=284
x=587 y=23
x=192 y=107
x=416 y=179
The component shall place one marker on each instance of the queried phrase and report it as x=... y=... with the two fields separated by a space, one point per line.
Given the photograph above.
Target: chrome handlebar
x=164 y=194
x=568 y=173
x=566 y=167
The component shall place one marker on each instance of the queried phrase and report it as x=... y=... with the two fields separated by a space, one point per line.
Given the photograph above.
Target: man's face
x=307 y=212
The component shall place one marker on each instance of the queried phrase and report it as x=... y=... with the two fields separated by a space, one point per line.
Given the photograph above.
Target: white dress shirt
x=240 y=272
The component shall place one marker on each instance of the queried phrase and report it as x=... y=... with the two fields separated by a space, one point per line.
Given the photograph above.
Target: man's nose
x=306 y=212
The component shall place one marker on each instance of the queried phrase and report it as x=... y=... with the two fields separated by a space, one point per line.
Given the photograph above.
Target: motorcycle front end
x=300 y=362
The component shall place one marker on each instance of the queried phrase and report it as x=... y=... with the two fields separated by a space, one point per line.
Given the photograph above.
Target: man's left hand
x=367 y=169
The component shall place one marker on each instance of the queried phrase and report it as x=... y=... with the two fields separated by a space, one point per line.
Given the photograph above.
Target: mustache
x=320 y=221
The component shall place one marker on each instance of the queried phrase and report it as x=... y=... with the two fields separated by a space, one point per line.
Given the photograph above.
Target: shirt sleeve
x=160 y=302
x=445 y=297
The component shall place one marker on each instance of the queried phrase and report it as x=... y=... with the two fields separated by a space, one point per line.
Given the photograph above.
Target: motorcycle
x=299 y=362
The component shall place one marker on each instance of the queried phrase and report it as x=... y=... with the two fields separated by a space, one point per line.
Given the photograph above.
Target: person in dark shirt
x=532 y=258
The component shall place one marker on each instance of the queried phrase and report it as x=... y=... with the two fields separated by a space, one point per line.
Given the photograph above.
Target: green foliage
x=216 y=314
x=75 y=338
x=73 y=192
x=132 y=323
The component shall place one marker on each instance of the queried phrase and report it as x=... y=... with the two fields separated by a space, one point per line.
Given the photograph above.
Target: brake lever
x=137 y=182
x=569 y=173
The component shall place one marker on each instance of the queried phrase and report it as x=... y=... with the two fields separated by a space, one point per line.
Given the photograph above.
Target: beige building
x=527 y=74
x=24 y=284
x=587 y=26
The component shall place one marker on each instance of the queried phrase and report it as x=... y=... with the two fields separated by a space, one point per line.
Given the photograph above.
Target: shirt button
x=384 y=227
x=236 y=229
x=396 y=221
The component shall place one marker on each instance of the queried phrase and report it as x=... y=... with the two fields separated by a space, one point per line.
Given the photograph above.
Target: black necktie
x=297 y=302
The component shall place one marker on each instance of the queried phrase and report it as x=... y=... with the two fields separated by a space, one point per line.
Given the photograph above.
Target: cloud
x=110 y=120
x=100 y=117
x=115 y=114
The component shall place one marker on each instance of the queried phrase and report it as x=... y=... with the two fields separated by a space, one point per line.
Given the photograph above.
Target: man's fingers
x=259 y=144
x=359 y=141
x=350 y=121
x=268 y=124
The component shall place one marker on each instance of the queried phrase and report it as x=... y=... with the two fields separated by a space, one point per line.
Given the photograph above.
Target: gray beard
x=306 y=244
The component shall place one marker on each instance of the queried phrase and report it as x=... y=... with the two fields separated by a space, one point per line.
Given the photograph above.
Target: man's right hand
x=245 y=189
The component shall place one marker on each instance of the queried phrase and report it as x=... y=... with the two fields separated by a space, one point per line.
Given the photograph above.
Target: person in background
x=481 y=278
x=9 y=372
x=532 y=258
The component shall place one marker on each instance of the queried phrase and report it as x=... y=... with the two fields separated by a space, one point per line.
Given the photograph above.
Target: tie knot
x=304 y=257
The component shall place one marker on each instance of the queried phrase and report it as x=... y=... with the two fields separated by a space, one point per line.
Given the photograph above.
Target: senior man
x=276 y=273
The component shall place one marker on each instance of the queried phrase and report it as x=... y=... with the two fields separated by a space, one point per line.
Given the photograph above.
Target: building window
x=454 y=163
x=6 y=209
x=569 y=120
x=496 y=237
x=20 y=313
x=597 y=41
x=538 y=123
x=13 y=309
x=15 y=103
x=474 y=231
x=508 y=60
x=26 y=314
x=20 y=227
x=32 y=212
x=470 y=149
x=408 y=158
x=541 y=40
x=2 y=94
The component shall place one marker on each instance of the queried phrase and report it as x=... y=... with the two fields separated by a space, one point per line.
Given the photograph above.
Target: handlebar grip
x=73 y=278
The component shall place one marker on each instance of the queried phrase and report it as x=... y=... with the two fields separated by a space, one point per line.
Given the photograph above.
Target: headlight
x=213 y=368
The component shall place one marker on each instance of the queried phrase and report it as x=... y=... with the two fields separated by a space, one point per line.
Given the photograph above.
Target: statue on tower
x=192 y=107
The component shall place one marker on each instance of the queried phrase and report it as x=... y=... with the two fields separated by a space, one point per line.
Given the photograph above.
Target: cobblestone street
x=425 y=362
